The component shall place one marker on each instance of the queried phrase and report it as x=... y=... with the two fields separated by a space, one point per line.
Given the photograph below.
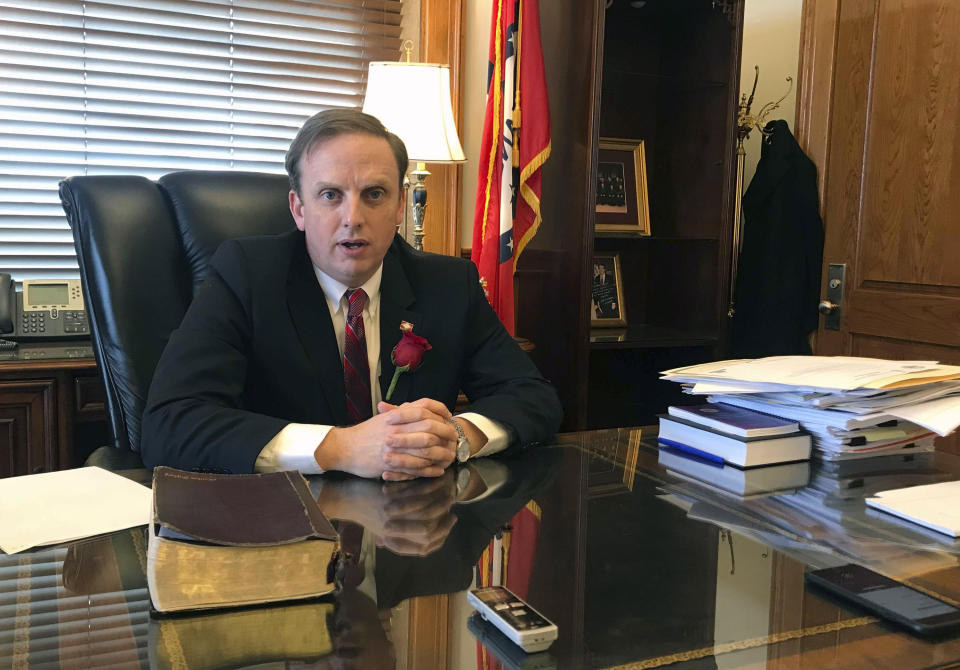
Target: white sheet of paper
x=826 y=372
x=53 y=507
x=942 y=415
x=701 y=387
x=824 y=417
x=935 y=506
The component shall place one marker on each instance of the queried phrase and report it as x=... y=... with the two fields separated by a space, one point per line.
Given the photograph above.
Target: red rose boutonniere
x=407 y=355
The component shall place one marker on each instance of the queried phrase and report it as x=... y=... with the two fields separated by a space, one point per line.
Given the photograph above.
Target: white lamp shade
x=413 y=101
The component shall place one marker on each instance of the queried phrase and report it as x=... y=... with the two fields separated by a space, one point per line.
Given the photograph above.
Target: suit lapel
x=396 y=296
x=308 y=310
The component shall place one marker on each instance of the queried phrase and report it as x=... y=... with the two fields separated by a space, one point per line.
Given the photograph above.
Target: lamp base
x=419 y=204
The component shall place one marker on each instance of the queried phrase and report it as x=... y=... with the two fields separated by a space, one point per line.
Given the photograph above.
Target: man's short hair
x=332 y=122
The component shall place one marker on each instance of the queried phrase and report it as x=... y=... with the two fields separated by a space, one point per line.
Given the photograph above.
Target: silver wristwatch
x=463 y=444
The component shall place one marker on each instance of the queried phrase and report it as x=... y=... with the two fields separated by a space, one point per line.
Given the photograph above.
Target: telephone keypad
x=33 y=322
x=74 y=322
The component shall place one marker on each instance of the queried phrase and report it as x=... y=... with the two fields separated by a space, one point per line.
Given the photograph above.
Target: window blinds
x=150 y=86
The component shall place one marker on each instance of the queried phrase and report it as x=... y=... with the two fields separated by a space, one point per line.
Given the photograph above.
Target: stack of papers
x=853 y=407
x=802 y=529
x=857 y=479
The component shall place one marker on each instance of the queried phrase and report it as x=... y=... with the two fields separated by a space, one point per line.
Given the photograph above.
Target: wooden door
x=878 y=114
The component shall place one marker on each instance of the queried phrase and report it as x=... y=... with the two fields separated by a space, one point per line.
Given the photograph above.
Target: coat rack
x=746 y=122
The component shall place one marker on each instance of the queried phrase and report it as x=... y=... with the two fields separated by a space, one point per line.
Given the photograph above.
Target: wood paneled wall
x=441 y=31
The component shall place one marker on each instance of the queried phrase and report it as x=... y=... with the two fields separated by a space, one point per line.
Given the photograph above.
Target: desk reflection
x=638 y=563
x=419 y=538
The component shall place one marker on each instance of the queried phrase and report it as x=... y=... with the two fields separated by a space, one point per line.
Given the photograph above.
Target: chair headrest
x=211 y=206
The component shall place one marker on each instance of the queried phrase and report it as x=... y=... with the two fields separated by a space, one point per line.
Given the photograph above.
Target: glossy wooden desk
x=638 y=567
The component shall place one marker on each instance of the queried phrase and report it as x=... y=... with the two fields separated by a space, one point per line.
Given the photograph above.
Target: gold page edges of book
x=232 y=540
x=241 y=638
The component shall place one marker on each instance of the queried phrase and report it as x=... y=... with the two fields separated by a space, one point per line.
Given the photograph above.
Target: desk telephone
x=45 y=309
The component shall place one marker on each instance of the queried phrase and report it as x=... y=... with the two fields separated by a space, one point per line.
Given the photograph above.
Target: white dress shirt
x=293 y=447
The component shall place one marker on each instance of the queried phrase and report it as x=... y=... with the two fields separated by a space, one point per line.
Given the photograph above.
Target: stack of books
x=724 y=434
x=741 y=483
x=853 y=407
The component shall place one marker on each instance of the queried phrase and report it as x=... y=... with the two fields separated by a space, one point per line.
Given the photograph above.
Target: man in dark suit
x=285 y=351
x=604 y=293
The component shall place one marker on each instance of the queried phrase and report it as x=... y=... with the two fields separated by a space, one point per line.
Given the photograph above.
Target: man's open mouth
x=349 y=244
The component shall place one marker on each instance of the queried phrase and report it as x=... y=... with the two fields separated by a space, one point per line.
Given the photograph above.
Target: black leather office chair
x=143 y=247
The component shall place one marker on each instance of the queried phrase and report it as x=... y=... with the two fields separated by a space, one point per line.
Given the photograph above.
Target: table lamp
x=413 y=101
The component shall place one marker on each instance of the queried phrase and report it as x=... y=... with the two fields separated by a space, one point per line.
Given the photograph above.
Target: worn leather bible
x=243 y=638
x=230 y=540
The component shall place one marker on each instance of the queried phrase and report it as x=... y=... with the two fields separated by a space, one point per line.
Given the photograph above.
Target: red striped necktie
x=356 y=368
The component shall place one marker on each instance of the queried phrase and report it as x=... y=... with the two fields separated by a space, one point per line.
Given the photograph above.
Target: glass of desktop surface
x=633 y=564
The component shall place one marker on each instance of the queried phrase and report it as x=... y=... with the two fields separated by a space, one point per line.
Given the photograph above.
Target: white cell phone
x=523 y=625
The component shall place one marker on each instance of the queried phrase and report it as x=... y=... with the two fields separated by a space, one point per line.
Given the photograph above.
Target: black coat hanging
x=778 y=277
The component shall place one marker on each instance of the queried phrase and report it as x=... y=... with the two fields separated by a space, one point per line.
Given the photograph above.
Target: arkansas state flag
x=515 y=144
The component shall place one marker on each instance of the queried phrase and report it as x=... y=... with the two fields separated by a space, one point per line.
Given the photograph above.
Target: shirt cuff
x=293 y=449
x=491 y=473
x=497 y=435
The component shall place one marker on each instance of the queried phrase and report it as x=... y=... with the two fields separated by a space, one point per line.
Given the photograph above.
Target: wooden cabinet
x=51 y=408
x=665 y=72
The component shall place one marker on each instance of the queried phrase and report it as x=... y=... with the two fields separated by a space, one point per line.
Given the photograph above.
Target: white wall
x=743 y=599
x=771 y=39
x=410 y=27
x=476 y=47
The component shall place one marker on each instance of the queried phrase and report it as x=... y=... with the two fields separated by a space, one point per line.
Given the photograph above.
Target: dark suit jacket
x=778 y=277
x=257 y=350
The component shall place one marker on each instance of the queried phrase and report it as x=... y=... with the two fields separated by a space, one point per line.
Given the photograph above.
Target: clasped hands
x=401 y=442
x=410 y=518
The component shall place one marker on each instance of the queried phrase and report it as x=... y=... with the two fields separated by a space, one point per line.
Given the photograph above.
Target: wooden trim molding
x=818 y=39
x=428 y=642
x=441 y=41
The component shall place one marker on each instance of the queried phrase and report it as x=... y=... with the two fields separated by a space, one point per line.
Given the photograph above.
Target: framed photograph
x=622 y=188
x=606 y=297
x=614 y=463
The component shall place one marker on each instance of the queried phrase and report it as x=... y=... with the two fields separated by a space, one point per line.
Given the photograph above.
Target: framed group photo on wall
x=606 y=296
x=622 y=188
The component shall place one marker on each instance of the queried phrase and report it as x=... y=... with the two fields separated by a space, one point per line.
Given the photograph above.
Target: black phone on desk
x=921 y=613
x=45 y=309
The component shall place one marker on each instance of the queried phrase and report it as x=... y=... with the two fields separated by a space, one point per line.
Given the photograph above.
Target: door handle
x=830 y=306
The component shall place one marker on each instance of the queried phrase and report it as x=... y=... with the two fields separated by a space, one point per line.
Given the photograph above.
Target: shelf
x=648 y=336
x=654 y=238
x=58 y=354
x=672 y=79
